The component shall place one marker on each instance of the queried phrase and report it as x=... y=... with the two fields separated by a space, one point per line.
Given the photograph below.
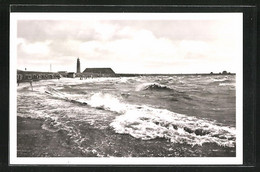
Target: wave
x=67 y=97
x=151 y=123
x=97 y=100
x=144 y=122
x=227 y=84
x=222 y=80
x=107 y=102
x=72 y=135
x=50 y=127
x=153 y=86
x=218 y=79
x=128 y=79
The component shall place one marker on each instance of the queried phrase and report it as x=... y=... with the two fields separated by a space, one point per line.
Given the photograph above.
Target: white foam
x=150 y=123
x=143 y=86
x=227 y=84
x=106 y=101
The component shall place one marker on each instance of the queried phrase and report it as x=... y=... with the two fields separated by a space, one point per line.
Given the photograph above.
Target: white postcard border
x=14 y=160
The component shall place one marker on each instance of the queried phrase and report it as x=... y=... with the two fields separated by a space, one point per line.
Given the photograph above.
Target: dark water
x=157 y=116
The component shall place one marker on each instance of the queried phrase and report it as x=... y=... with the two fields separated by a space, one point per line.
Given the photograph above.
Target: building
x=24 y=76
x=224 y=72
x=98 y=72
x=78 y=66
x=63 y=73
x=71 y=75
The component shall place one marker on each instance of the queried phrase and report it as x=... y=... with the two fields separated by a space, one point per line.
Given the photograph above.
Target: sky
x=130 y=46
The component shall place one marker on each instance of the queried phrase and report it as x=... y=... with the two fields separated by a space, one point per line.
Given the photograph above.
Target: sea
x=142 y=116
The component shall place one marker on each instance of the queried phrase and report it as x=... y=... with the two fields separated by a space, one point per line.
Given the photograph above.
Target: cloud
x=42 y=30
x=203 y=30
x=148 y=46
x=35 y=48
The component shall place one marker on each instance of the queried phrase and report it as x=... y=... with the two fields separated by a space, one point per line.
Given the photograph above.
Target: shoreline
x=33 y=141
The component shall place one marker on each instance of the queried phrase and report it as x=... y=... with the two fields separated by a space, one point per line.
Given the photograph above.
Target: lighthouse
x=78 y=66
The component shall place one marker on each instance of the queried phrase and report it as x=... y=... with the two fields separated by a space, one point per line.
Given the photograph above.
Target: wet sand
x=33 y=141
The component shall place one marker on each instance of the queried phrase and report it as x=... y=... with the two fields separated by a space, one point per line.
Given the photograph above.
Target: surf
x=153 y=87
x=150 y=123
x=146 y=123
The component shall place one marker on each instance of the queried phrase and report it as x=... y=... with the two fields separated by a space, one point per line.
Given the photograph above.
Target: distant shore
x=204 y=74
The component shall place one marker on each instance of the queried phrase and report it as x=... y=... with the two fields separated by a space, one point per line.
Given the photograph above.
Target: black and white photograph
x=126 y=88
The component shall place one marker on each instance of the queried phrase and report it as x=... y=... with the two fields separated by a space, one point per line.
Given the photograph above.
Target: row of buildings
x=33 y=75
x=87 y=73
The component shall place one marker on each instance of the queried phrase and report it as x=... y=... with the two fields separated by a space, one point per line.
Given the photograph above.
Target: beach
x=33 y=141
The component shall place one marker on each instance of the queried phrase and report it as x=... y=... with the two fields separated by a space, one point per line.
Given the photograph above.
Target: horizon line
x=204 y=73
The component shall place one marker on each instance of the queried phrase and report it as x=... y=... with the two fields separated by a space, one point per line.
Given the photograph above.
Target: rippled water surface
x=152 y=116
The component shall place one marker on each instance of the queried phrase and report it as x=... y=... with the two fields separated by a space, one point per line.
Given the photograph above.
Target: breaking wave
x=107 y=102
x=227 y=84
x=150 y=123
x=153 y=86
x=222 y=81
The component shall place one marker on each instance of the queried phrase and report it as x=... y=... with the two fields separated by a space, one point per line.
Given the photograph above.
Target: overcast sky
x=130 y=46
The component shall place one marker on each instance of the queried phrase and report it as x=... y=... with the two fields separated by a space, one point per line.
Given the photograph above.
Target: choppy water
x=152 y=116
